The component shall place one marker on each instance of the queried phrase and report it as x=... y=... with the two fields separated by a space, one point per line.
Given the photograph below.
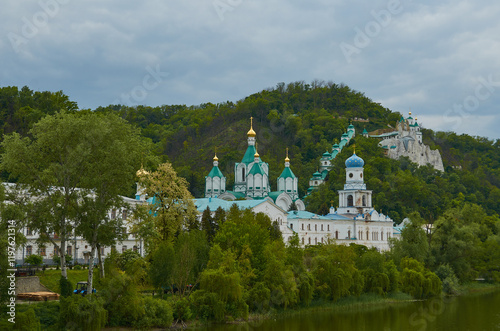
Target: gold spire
x=256 y=153
x=354 y=148
x=287 y=159
x=215 y=153
x=409 y=112
x=251 y=132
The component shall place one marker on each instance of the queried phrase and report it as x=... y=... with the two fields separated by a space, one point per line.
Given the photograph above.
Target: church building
x=251 y=179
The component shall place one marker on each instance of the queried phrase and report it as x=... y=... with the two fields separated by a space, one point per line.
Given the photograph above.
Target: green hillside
x=308 y=119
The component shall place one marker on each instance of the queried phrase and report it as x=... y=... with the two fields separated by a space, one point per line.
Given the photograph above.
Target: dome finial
x=409 y=111
x=287 y=159
x=354 y=148
x=256 y=155
x=215 y=153
x=251 y=132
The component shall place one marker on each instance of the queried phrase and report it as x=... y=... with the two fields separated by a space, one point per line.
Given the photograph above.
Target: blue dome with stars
x=354 y=162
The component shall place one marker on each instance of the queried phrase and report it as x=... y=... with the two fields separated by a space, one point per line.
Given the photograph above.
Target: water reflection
x=472 y=312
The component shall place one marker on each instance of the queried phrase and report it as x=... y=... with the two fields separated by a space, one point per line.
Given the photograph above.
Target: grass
x=50 y=278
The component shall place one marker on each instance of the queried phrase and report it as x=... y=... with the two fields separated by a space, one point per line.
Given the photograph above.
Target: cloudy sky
x=439 y=58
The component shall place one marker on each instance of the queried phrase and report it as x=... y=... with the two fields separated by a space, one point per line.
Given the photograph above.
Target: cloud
x=428 y=56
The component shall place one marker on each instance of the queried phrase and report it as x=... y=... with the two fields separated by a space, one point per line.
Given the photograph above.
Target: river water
x=474 y=312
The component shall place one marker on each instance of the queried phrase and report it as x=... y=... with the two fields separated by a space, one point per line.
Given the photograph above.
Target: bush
x=82 y=313
x=258 y=298
x=181 y=310
x=66 y=287
x=207 y=306
x=34 y=259
x=27 y=321
x=78 y=267
x=158 y=313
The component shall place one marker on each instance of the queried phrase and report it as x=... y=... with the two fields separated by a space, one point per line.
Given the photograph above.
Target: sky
x=439 y=59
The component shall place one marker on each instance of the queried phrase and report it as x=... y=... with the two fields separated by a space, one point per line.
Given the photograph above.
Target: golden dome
x=409 y=113
x=141 y=172
x=216 y=158
x=251 y=132
x=286 y=158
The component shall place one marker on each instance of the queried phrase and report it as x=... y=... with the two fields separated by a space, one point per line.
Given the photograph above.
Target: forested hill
x=308 y=119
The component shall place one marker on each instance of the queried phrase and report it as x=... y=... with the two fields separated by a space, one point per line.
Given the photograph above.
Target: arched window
x=349 y=234
x=364 y=200
x=243 y=174
x=337 y=234
x=321 y=227
x=309 y=240
x=315 y=227
x=381 y=235
x=350 y=201
x=302 y=226
x=309 y=227
x=315 y=241
x=367 y=235
x=302 y=240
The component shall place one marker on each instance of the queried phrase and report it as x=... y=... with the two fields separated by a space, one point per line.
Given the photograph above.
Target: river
x=474 y=312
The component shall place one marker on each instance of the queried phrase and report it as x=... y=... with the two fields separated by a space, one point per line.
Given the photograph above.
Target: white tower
x=354 y=198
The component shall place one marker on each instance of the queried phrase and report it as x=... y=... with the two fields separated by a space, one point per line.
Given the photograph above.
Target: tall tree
x=60 y=166
x=171 y=207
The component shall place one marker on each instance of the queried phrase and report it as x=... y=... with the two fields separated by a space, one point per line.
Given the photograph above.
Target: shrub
x=27 y=321
x=258 y=297
x=181 y=310
x=158 y=313
x=78 y=267
x=82 y=313
x=34 y=259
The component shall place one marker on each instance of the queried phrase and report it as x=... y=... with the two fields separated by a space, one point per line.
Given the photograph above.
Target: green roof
x=215 y=172
x=287 y=173
x=274 y=195
x=350 y=126
x=256 y=170
x=326 y=154
x=402 y=119
x=364 y=131
x=335 y=146
x=249 y=156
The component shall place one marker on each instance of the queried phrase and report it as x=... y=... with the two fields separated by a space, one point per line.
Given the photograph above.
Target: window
x=124 y=248
x=124 y=214
x=309 y=227
x=69 y=250
x=360 y=235
x=350 y=201
x=113 y=214
x=315 y=227
x=351 y=175
x=381 y=235
x=349 y=234
x=321 y=227
x=367 y=235
x=56 y=251
x=315 y=241
x=29 y=250
x=302 y=240
x=135 y=248
x=102 y=251
x=302 y=226
x=309 y=240
x=243 y=173
x=321 y=239
x=337 y=234
x=29 y=231
x=291 y=226
x=328 y=227
x=364 y=201
x=42 y=251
